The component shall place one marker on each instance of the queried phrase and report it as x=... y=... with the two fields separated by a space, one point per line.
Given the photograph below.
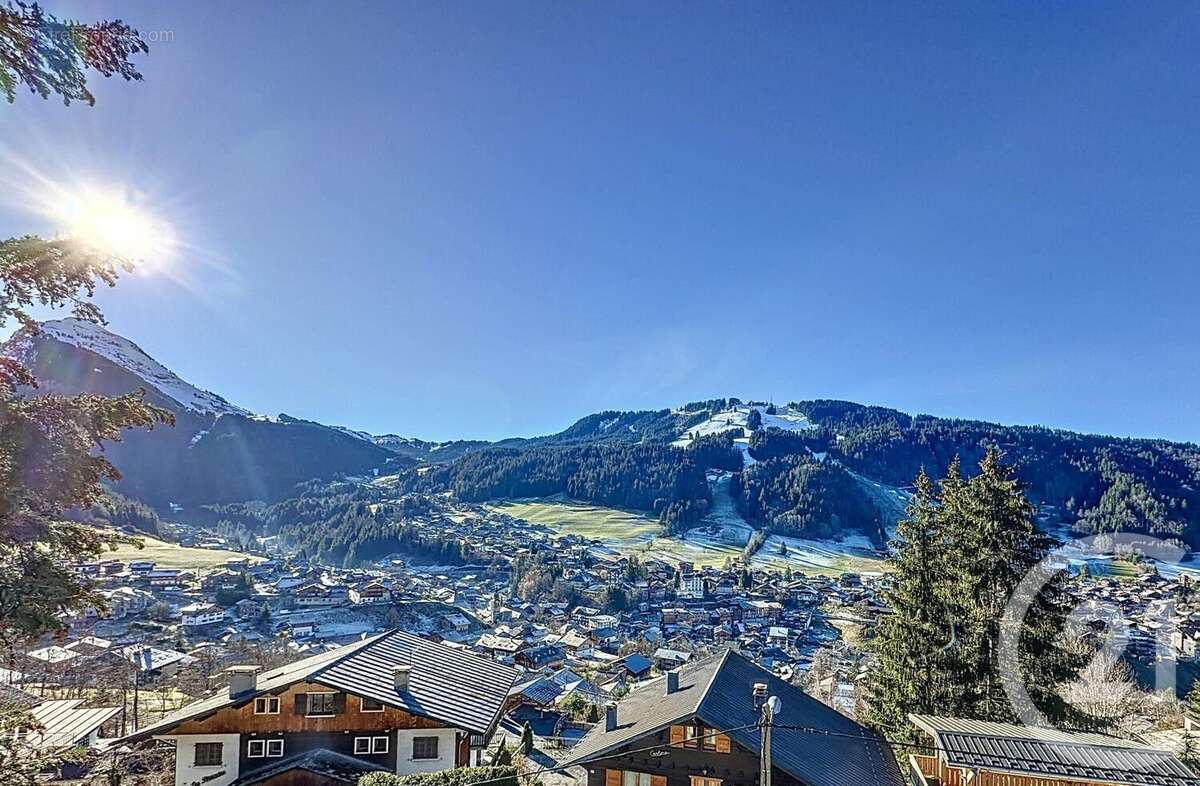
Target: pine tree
x=1191 y=741
x=994 y=543
x=754 y=419
x=49 y=457
x=914 y=668
x=961 y=551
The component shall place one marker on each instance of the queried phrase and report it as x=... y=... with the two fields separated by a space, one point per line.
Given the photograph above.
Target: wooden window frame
x=638 y=775
x=271 y=744
x=308 y=705
x=266 y=703
x=380 y=744
x=207 y=746
x=437 y=752
x=362 y=704
x=366 y=741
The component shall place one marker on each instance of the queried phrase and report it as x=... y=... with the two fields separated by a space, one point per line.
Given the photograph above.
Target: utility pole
x=768 y=706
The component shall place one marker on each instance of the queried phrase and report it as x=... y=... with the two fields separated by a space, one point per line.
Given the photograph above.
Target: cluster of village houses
x=555 y=668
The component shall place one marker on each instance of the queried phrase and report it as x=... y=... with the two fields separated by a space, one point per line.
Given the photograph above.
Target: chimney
x=760 y=695
x=242 y=679
x=672 y=681
x=610 y=717
x=400 y=677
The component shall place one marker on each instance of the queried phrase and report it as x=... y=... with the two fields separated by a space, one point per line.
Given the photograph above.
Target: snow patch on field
x=852 y=552
x=131 y=357
x=735 y=417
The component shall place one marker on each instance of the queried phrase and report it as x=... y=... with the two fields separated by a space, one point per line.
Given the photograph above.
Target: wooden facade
x=348 y=716
x=683 y=761
x=301 y=732
x=932 y=771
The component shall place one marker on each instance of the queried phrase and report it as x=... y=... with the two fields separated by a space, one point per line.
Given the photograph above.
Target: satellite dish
x=775 y=704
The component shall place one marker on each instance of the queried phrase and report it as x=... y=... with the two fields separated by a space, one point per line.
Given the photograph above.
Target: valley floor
x=722 y=535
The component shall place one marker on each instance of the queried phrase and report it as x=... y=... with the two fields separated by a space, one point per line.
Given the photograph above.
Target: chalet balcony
x=930 y=771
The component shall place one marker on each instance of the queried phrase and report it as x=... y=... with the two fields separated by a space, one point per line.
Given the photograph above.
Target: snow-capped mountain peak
x=128 y=355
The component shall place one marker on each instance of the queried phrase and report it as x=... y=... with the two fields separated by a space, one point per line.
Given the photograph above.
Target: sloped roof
x=449 y=685
x=321 y=762
x=1007 y=747
x=718 y=691
x=445 y=684
x=64 y=723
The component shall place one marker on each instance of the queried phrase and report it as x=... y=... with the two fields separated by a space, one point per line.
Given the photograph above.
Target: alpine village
x=725 y=592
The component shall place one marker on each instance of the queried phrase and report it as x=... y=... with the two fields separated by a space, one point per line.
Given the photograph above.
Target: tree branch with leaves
x=51 y=55
x=52 y=447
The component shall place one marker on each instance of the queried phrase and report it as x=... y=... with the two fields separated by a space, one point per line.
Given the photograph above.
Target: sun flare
x=112 y=224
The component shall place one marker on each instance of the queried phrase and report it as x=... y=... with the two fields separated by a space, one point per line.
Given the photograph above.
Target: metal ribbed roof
x=718 y=691
x=1006 y=747
x=449 y=685
x=64 y=723
x=454 y=687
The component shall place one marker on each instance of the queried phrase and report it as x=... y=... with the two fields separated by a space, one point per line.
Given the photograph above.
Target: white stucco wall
x=405 y=765
x=186 y=774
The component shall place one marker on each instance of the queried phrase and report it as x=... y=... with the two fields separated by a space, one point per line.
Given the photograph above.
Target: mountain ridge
x=220 y=452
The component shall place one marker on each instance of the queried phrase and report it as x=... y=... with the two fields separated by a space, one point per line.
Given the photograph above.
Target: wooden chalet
x=697 y=726
x=982 y=753
x=394 y=702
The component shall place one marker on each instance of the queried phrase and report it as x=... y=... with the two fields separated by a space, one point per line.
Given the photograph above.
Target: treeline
x=344 y=529
x=798 y=495
x=667 y=481
x=717 y=451
x=122 y=513
x=1102 y=484
x=769 y=443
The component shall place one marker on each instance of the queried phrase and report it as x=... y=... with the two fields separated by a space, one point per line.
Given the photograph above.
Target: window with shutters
x=698 y=737
x=627 y=777
x=320 y=705
x=208 y=754
x=631 y=778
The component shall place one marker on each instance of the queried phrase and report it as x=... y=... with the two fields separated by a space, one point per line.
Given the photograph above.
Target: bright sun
x=111 y=224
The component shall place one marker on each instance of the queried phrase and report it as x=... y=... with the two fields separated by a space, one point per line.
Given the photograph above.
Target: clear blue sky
x=484 y=219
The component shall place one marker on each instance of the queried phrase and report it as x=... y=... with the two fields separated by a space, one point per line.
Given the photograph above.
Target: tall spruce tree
x=912 y=644
x=994 y=543
x=960 y=553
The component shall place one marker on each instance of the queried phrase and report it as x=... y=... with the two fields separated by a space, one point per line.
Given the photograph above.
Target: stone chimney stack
x=242 y=679
x=610 y=717
x=672 y=681
x=401 y=677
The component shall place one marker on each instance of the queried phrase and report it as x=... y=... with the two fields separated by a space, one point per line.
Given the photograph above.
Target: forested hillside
x=343 y=528
x=1101 y=484
x=648 y=460
x=798 y=495
x=666 y=481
